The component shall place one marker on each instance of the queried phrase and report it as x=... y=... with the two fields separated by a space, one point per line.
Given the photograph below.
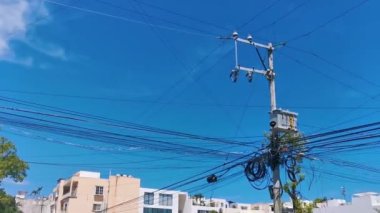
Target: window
x=96 y=207
x=99 y=190
x=156 y=210
x=64 y=206
x=148 y=198
x=165 y=200
x=256 y=208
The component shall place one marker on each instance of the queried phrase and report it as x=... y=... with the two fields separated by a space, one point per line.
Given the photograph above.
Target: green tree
x=12 y=167
x=7 y=203
x=294 y=145
x=320 y=200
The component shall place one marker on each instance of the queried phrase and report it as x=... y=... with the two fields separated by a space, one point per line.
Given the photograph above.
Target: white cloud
x=17 y=17
x=12 y=23
x=48 y=49
x=12 y=182
x=24 y=61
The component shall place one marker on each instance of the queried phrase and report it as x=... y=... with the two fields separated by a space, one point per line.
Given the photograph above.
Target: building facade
x=87 y=192
x=217 y=205
x=36 y=205
x=162 y=201
x=368 y=202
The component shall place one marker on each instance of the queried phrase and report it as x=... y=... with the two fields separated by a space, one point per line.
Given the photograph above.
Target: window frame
x=163 y=199
x=149 y=198
x=99 y=190
x=94 y=209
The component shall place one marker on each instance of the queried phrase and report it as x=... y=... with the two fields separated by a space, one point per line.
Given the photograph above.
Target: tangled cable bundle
x=290 y=164
x=255 y=169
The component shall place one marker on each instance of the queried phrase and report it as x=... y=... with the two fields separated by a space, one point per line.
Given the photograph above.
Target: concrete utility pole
x=280 y=120
x=274 y=136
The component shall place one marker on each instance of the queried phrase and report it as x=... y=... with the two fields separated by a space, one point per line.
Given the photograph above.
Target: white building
x=161 y=201
x=368 y=202
x=166 y=201
x=88 y=192
x=37 y=205
x=217 y=205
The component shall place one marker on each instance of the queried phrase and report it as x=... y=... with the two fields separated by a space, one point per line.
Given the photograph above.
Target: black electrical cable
x=282 y=16
x=261 y=58
x=191 y=179
x=315 y=70
x=340 y=15
x=119 y=124
x=255 y=169
x=291 y=175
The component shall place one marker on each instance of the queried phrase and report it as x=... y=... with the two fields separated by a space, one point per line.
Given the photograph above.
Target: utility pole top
x=281 y=121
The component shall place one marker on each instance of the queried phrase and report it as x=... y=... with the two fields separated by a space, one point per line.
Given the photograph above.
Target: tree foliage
x=12 y=167
x=294 y=144
x=7 y=203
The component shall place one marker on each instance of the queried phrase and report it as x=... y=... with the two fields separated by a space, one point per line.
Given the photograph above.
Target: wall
x=116 y=190
x=362 y=204
x=175 y=202
x=124 y=194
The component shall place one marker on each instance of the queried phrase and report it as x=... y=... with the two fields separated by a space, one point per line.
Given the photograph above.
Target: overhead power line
x=194 y=178
x=158 y=18
x=255 y=16
x=315 y=70
x=340 y=15
x=200 y=104
x=125 y=19
x=101 y=135
x=191 y=18
x=338 y=67
x=282 y=17
x=116 y=123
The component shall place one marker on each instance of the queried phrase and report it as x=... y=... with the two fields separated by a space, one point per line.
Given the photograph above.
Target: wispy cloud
x=24 y=61
x=48 y=49
x=17 y=17
x=12 y=23
x=12 y=182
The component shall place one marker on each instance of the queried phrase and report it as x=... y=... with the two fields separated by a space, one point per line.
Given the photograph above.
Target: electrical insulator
x=235 y=35
x=249 y=76
x=234 y=74
x=250 y=38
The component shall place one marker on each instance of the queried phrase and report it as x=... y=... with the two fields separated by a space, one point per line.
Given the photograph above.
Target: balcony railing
x=98 y=198
x=72 y=194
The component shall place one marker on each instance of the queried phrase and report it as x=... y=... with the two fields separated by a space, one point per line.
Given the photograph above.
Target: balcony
x=98 y=198
x=70 y=190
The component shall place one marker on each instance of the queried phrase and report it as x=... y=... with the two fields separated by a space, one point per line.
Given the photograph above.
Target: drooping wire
x=282 y=17
x=313 y=69
x=125 y=19
x=340 y=15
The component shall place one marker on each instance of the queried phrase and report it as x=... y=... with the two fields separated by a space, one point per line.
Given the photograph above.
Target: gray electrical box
x=285 y=120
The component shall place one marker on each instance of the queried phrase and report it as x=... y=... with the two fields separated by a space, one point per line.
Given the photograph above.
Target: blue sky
x=160 y=64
